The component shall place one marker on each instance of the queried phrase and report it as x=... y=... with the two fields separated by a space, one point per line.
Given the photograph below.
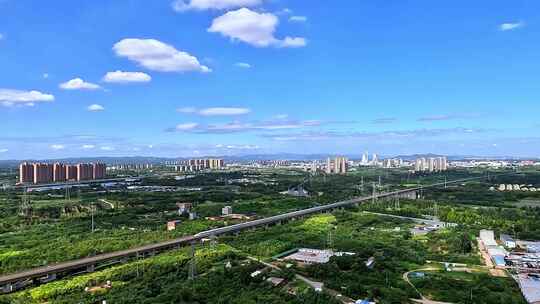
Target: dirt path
x=317 y=286
x=423 y=299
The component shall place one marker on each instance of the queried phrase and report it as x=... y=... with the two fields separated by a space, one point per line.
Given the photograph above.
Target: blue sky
x=216 y=77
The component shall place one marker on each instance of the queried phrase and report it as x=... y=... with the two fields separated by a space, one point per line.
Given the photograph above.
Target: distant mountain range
x=245 y=158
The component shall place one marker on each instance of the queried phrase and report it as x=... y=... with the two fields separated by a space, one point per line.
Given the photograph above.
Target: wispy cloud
x=238 y=126
x=511 y=26
x=57 y=147
x=384 y=120
x=95 y=108
x=215 y=111
x=385 y=135
x=447 y=117
x=298 y=19
x=243 y=65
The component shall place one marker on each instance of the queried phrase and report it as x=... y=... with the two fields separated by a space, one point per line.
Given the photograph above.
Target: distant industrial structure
x=193 y=165
x=337 y=165
x=46 y=173
x=431 y=164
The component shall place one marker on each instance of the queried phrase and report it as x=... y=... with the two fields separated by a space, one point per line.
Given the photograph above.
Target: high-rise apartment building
x=71 y=172
x=98 y=170
x=365 y=159
x=432 y=164
x=59 y=172
x=193 y=165
x=43 y=173
x=85 y=172
x=337 y=165
x=26 y=173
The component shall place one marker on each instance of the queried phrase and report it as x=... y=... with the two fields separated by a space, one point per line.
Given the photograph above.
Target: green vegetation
x=60 y=230
x=470 y=288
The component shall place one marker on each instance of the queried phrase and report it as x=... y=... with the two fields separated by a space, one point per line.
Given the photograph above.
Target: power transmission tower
x=25 y=209
x=213 y=241
x=192 y=263
x=68 y=194
x=329 y=240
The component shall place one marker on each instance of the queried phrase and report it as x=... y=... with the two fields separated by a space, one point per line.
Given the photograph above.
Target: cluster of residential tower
x=43 y=173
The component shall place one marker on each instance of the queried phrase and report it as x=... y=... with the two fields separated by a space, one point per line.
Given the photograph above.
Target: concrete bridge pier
x=90 y=268
x=7 y=288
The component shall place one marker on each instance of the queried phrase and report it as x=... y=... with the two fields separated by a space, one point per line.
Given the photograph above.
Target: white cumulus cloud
x=243 y=65
x=201 y=5
x=95 y=108
x=9 y=97
x=158 y=56
x=253 y=28
x=107 y=148
x=4 y=150
x=88 y=146
x=78 y=84
x=511 y=26
x=126 y=77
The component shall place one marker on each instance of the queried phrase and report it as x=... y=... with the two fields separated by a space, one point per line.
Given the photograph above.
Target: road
x=153 y=248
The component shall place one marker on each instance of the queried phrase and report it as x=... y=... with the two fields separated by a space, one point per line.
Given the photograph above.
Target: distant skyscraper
x=365 y=159
x=375 y=160
x=432 y=164
x=338 y=165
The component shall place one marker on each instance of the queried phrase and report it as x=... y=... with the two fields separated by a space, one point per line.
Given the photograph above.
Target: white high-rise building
x=337 y=165
x=432 y=164
x=375 y=160
x=365 y=159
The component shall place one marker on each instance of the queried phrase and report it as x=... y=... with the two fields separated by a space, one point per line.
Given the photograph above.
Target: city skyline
x=202 y=78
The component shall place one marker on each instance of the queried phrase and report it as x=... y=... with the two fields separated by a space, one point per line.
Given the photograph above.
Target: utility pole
x=192 y=265
x=92 y=212
x=445 y=181
x=373 y=195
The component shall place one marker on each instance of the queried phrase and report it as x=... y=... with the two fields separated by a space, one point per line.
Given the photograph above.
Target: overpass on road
x=19 y=280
